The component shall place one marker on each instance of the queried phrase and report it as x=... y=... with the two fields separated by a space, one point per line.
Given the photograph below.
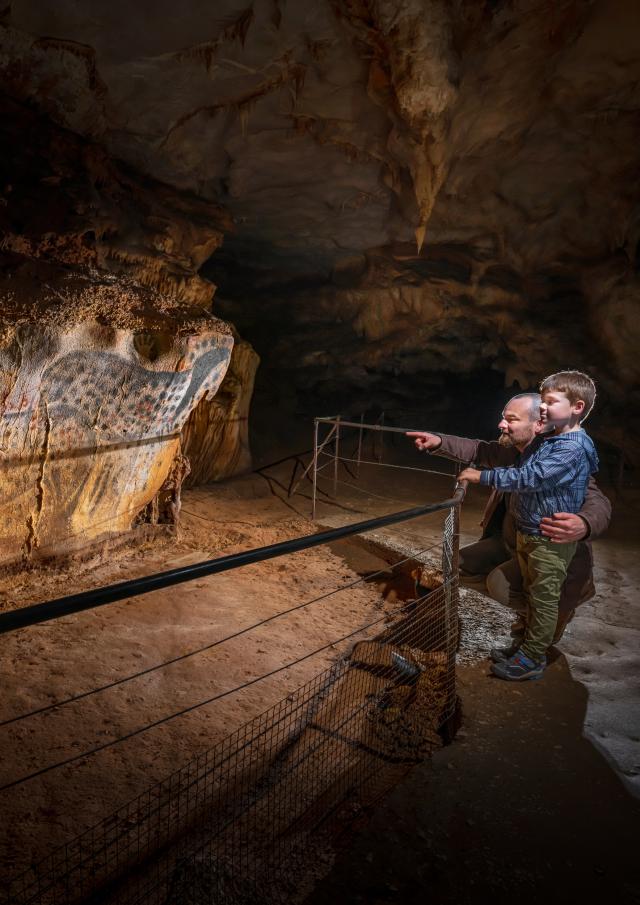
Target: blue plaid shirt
x=552 y=479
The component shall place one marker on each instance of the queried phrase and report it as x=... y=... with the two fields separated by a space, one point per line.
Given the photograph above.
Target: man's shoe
x=519 y=667
x=498 y=654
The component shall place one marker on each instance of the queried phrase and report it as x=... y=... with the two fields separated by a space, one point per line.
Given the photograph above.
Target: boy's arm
x=558 y=466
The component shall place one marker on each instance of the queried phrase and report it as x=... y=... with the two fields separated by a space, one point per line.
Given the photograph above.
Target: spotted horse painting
x=90 y=423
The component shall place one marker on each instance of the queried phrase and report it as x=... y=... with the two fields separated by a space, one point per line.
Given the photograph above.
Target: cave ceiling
x=412 y=183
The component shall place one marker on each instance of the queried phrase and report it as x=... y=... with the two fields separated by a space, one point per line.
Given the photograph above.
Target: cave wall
x=107 y=343
x=417 y=190
x=215 y=437
x=90 y=427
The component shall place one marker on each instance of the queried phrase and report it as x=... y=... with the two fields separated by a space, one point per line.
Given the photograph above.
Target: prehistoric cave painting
x=96 y=394
x=88 y=435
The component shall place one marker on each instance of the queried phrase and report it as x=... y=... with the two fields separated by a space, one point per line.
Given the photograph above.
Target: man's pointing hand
x=424 y=441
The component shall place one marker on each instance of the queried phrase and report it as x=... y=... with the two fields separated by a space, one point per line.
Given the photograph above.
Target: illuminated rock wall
x=107 y=342
x=89 y=427
x=215 y=438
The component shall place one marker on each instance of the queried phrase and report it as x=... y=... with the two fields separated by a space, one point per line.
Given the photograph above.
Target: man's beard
x=505 y=440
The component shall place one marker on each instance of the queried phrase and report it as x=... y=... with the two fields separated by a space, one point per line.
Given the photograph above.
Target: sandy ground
x=53 y=661
x=535 y=790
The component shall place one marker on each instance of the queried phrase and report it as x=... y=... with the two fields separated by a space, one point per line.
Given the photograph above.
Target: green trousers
x=543 y=565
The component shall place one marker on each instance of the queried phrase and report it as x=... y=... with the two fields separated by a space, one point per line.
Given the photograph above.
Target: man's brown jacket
x=596 y=512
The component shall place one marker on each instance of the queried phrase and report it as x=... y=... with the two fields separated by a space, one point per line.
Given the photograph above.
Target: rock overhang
x=341 y=137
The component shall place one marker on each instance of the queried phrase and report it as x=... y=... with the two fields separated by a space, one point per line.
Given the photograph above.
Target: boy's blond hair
x=575 y=385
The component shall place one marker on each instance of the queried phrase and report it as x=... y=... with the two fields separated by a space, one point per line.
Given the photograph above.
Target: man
x=490 y=565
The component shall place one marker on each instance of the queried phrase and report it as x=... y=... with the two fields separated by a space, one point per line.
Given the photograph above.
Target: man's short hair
x=534 y=404
x=575 y=385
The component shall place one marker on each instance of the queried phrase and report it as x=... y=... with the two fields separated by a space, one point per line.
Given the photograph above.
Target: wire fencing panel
x=344 y=450
x=249 y=820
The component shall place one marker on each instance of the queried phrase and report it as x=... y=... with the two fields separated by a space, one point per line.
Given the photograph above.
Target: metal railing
x=87 y=600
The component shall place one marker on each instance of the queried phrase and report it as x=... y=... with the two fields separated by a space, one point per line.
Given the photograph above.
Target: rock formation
x=90 y=427
x=215 y=437
x=106 y=347
x=419 y=191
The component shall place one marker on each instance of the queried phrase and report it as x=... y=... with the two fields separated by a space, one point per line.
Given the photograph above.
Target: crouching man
x=490 y=565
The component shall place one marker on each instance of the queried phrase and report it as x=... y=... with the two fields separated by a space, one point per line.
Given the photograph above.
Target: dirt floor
x=55 y=661
x=521 y=802
x=520 y=807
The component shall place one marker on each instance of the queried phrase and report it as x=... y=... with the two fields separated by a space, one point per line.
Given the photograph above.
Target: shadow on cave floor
x=520 y=804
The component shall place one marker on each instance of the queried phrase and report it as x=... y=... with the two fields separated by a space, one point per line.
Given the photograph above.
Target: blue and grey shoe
x=519 y=667
x=498 y=654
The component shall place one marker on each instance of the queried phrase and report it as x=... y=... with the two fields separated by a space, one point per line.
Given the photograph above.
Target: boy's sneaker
x=498 y=654
x=519 y=667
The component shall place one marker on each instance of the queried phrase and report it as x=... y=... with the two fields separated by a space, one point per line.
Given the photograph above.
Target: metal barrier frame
x=334 y=436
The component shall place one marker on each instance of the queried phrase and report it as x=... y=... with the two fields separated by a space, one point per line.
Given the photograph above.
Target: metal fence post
x=315 y=467
x=337 y=455
x=450 y=562
x=360 y=444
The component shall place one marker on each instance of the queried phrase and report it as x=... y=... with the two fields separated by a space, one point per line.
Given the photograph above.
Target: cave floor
x=535 y=790
x=58 y=660
x=520 y=807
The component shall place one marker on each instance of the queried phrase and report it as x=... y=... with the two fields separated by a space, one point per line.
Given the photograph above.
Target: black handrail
x=86 y=600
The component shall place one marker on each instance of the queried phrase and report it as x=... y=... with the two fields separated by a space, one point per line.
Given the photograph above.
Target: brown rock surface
x=420 y=191
x=90 y=426
x=105 y=346
x=215 y=437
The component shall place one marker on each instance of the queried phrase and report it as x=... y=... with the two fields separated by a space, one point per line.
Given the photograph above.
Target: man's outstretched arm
x=461 y=449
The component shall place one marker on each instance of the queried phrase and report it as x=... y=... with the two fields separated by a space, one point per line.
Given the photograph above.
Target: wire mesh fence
x=251 y=819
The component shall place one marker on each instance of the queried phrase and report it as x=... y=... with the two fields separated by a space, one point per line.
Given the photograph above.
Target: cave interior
x=219 y=221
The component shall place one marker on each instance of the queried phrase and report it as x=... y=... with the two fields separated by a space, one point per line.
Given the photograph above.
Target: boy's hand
x=424 y=441
x=472 y=475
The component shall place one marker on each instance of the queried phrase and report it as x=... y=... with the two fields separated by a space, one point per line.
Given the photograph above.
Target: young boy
x=553 y=479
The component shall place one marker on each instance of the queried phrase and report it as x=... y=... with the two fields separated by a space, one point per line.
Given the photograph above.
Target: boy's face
x=556 y=410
